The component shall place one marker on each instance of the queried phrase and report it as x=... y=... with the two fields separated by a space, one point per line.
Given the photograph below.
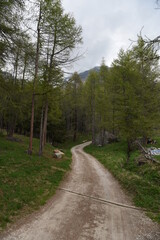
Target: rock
x=58 y=154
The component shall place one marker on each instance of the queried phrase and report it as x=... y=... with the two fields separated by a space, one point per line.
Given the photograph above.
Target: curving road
x=73 y=217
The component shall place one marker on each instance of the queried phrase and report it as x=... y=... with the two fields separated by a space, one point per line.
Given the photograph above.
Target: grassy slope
x=26 y=182
x=142 y=182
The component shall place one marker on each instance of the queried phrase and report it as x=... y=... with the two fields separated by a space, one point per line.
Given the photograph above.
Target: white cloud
x=108 y=26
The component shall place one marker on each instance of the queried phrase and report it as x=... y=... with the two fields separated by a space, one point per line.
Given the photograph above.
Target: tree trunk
x=10 y=131
x=34 y=82
x=31 y=127
x=75 y=125
x=93 y=127
x=103 y=135
x=16 y=67
x=24 y=71
x=113 y=121
x=129 y=149
x=45 y=124
x=41 y=133
x=11 y=124
x=1 y=123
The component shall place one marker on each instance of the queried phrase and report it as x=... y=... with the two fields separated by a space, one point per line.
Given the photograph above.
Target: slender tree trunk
x=44 y=130
x=10 y=131
x=41 y=132
x=75 y=125
x=93 y=112
x=129 y=149
x=34 y=82
x=11 y=126
x=16 y=67
x=45 y=124
x=113 y=121
x=31 y=126
x=103 y=135
x=24 y=71
x=1 y=123
x=93 y=127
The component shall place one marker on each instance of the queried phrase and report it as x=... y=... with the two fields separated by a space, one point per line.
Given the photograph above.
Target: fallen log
x=147 y=154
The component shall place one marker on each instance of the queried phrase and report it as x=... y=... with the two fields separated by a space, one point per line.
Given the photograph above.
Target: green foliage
x=102 y=106
x=90 y=92
x=59 y=35
x=137 y=105
x=9 y=25
x=142 y=182
x=125 y=98
x=73 y=105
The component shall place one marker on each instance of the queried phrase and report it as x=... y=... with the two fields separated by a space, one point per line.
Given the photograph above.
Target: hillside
x=84 y=75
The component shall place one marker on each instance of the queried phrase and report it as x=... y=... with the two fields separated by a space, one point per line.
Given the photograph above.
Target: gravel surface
x=72 y=217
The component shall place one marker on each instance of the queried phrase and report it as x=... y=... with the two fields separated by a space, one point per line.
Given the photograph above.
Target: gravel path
x=73 y=217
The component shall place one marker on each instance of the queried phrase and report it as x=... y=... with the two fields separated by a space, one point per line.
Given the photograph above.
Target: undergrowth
x=142 y=182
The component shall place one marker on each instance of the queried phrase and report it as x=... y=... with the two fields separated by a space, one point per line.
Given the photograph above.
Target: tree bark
x=129 y=149
x=93 y=127
x=24 y=71
x=103 y=135
x=45 y=124
x=34 y=81
x=11 y=126
x=16 y=67
x=93 y=110
x=31 y=126
x=75 y=125
x=41 y=132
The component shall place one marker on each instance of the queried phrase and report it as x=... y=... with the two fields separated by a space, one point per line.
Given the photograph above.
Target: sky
x=109 y=25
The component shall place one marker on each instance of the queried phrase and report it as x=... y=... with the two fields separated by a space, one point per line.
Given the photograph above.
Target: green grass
x=27 y=182
x=142 y=182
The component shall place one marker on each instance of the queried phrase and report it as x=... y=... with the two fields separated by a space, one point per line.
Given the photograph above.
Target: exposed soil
x=69 y=216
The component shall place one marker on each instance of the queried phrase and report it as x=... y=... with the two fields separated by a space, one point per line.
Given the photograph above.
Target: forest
x=37 y=100
x=43 y=107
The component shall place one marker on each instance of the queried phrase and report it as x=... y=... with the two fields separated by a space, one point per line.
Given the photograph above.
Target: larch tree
x=38 y=42
x=127 y=79
x=9 y=25
x=60 y=36
x=73 y=104
x=102 y=101
x=147 y=65
x=137 y=93
x=90 y=96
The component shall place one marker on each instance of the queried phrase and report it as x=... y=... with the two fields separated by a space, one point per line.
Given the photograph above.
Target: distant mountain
x=84 y=75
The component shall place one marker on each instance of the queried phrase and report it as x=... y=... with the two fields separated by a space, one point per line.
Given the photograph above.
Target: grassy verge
x=142 y=182
x=27 y=182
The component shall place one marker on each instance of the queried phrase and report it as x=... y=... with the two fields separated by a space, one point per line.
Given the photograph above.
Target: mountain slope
x=84 y=75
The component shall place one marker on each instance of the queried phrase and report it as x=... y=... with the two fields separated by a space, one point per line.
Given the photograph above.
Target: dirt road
x=72 y=217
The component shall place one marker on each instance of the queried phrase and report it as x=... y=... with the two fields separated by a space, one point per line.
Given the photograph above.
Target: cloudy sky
x=109 y=24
